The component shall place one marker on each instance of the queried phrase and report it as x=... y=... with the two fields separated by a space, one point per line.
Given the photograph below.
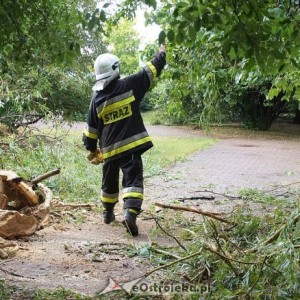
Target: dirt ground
x=82 y=257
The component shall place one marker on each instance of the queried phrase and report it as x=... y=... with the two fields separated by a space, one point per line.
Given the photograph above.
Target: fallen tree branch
x=195 y=198
x=219 y=194
x=197 y=211
x=42 y=177
x=282 y=186
x=159 y=251
x=74 y=205
x=15 y=274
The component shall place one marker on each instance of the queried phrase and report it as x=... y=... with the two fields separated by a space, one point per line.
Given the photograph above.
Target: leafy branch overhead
x=258 y=30
x=227 y=54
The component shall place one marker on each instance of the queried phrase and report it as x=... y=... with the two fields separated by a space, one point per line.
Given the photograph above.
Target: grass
x=80 y=181
x=149 y=116
x=280 y=130
x=169 y=150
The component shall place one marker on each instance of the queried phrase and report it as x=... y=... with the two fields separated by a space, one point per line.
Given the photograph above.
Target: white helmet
x=106 y=68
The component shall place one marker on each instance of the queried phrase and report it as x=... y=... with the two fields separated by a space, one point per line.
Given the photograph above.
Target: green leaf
x=281 y=68
x=238 y=77
x=162 y=37
x=144 y=252
x=192 y=33
x=71 y=46
x=217 y=19
x=151 y=3
x=77 y=49
x=183 y=25
x=102 y=16
x=273 y=92
x=171 y=35
x=176 y=12
x=179 y=36
x=92 y=23
x=293 y=61
x=197 y=24
x=278 y=54
x=226 y=46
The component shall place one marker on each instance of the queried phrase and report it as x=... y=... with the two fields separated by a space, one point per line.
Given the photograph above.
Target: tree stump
x=23 y=210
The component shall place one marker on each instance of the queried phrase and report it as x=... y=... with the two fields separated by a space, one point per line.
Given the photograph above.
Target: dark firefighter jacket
x=114 y=116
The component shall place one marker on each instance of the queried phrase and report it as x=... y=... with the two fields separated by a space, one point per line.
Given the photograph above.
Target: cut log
x=22 y=186
x=25 y=189
x=12 y=224
x=19 y=217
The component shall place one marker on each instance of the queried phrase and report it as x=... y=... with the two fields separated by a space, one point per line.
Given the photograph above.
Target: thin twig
x=274 y=236
x=257 y=279
x=168 y=234
x=215 y=234
x=15 y=274
x=226 y=259
x=87 y=206
x=282 y=186
x=219 y=194
x=172 y=263
x=197 y=211
x=159 y=251
x=195 y=198
x=198 y=274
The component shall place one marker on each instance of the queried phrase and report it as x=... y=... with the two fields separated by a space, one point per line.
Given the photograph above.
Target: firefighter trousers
x=132 y=181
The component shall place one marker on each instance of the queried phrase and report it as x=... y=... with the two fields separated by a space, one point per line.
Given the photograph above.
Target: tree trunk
x=297 y=117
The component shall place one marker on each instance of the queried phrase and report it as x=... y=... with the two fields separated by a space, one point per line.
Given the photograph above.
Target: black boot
x=130 y=221
x=108 y=213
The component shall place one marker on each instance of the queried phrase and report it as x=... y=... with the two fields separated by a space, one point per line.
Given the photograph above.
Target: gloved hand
x=95 y=157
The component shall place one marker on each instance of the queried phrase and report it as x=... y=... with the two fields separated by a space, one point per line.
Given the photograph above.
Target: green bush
x=30 y=94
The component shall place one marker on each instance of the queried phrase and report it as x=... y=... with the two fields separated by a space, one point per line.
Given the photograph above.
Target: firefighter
x=115 y=125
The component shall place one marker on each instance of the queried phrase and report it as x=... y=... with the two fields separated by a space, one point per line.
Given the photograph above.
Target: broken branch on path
x=196 y=198
x=197 y=211
x=219 y=194
x=88 y=206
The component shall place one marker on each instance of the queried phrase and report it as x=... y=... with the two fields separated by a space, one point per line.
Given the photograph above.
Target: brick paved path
x=230 y=165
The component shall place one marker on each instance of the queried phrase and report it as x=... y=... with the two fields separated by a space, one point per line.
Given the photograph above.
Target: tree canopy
x=124 y=41
x=45 y=54
x=225 y=54
x=222 y=55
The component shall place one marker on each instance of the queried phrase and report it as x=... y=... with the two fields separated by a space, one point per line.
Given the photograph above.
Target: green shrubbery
x=32 y=94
